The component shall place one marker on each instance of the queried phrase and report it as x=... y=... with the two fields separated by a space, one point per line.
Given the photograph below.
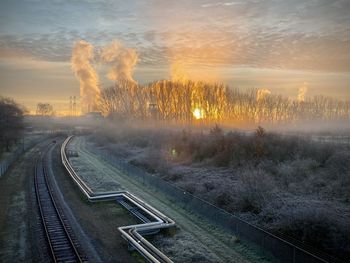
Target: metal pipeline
x=131 y=233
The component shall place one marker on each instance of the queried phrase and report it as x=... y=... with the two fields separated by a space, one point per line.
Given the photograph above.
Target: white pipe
x=142 y=245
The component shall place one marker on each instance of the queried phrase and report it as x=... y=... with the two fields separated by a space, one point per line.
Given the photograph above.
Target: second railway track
x=62 y=244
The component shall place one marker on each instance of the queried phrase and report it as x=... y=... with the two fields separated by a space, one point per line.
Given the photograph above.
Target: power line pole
x=70 y=106
x=74 y=106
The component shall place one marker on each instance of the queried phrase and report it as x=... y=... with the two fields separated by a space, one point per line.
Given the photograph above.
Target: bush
x=11 y=123
x=317 y=225
x=295 y=171
x=255 y=188
x=223 y=200
x=339 y=163
x=268 y=178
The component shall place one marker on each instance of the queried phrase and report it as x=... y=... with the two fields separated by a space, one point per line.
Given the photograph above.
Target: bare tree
x=44 y=109
x=177 y=101
x=11 y=123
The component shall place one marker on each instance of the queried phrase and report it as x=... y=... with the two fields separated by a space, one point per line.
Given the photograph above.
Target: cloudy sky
x=274 y=44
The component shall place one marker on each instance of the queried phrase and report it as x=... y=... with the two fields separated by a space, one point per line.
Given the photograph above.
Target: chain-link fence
x=337 y=140
x=281 y=249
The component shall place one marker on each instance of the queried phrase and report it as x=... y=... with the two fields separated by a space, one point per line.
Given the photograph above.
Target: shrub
x=339 y=163
x=268 y=178
x=255 y=188
x=223 y=200
x=209 y=186
x=316 y=224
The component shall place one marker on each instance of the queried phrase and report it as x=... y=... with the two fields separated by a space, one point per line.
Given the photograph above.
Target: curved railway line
x=63 y=246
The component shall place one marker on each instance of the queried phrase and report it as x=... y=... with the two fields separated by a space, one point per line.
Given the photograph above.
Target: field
x=290 y=185
x=193 y=239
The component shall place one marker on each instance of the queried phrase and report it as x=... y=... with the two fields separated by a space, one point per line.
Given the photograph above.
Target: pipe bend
x=131 y=232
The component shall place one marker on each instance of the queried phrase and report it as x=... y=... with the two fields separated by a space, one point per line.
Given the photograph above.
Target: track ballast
x=63 y=246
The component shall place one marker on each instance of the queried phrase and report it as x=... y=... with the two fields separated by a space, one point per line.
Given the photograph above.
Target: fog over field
x=284 y=182
x=218 y=130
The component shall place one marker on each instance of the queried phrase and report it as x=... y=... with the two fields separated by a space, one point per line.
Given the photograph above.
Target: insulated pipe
x=132 y=232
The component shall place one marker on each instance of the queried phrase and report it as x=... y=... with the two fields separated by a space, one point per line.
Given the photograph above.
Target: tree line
x=174 y=101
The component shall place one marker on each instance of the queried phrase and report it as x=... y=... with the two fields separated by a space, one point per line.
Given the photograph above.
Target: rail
x=62 y=246
x=131 y=233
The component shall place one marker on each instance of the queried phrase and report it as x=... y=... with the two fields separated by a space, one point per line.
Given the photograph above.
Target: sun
x=198 y=114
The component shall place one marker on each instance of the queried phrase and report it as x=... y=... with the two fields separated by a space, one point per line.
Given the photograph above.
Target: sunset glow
x=234 y=43
x=197 y=113
x=232 y=113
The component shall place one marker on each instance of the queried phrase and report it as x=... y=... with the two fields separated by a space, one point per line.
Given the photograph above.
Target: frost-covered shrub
x=280 y=149
x=171 y=176
x=317 y=151
x=120 y=149
x=254 y=189
x=190 y=188
x=270 y=179
x=210 y=185
x=151 y=160
x=316 y=224
x=339 y=163
x=139 y=141
x=296 y=171
x=205 y=150
x=224 y=157
x=223 y=200
x=156 y=160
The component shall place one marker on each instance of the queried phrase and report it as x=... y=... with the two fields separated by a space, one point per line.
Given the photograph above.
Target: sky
x=280 y=45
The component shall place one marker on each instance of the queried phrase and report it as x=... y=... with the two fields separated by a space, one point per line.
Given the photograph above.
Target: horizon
x=281 y=49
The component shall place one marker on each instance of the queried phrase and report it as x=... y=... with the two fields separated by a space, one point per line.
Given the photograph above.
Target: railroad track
x=63 y=246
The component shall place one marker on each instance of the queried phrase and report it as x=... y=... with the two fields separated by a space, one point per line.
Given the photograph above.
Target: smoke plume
x=82 y=56
x=122 y=60
x=302 y=92
x=261 y=94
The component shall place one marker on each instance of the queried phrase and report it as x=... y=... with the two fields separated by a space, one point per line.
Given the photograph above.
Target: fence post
x=293 y=254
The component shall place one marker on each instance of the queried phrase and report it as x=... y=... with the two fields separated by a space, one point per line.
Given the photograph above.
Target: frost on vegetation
x=258 y=176
x=323 y=224
x=184 y=249
x=86 y=170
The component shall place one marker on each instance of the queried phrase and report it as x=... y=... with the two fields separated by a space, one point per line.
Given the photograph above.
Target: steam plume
x=122 y=59
x=81 y=64
x=302 y=92
x=261 y=94
x=178 y=72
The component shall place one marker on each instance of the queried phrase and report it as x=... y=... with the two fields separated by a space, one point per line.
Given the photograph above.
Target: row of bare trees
x=244 y=106
x=176 y=101
x=44 y=109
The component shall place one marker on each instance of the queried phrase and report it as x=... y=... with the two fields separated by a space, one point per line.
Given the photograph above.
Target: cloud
x=312 y=35
x=258 y=48
x=221 y=4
